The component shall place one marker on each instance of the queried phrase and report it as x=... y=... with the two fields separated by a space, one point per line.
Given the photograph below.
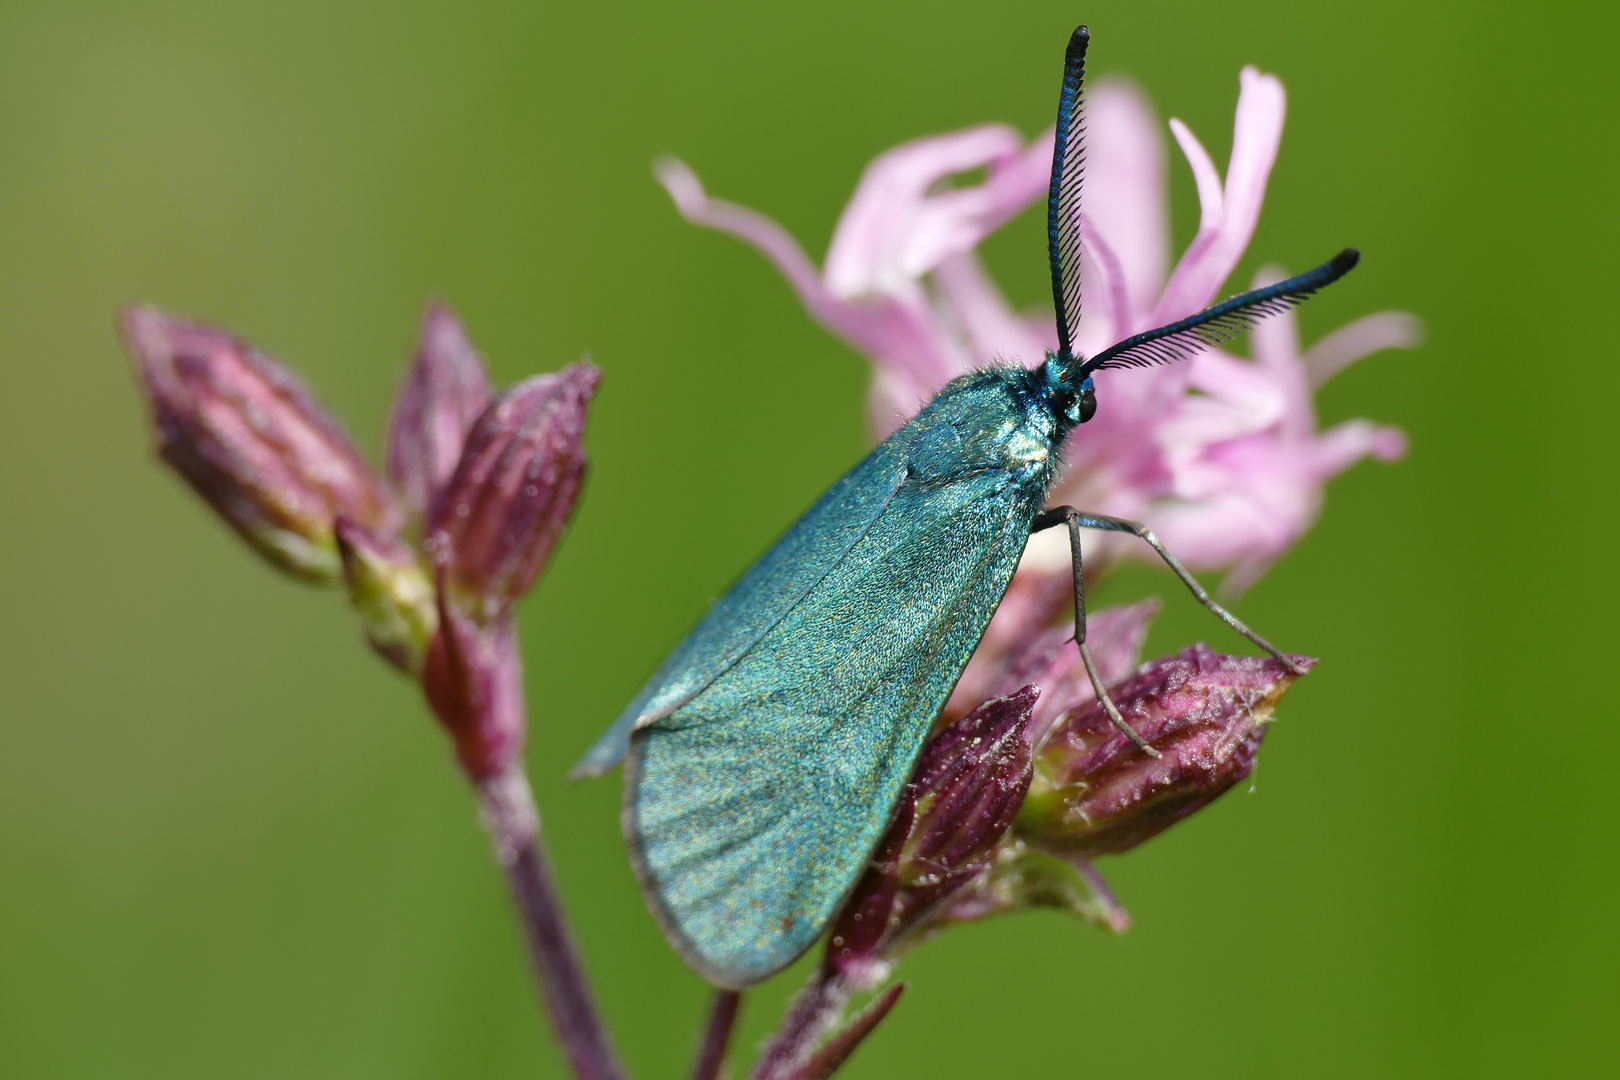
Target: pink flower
x=1219 y=455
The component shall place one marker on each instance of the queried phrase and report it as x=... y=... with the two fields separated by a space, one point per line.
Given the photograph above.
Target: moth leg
x=1068 y=515
x=1135 y=528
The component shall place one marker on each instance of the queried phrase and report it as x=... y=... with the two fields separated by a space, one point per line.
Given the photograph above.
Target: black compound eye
x=1088 y=405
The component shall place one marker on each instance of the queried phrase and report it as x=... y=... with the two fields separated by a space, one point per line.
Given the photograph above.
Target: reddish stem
x=514 y=828
x=717 y=1037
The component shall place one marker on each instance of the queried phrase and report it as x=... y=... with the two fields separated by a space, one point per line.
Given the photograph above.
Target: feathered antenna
x=1221 y=323
x=1063 y=197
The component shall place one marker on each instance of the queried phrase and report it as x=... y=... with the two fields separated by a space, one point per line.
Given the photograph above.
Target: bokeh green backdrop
x=231 y=844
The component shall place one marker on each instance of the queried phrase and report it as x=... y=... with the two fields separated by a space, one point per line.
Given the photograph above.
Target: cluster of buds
x=480 y=486
x=1010 y=802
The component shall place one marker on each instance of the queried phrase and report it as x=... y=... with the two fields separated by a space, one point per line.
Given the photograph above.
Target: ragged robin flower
x=1220 y=456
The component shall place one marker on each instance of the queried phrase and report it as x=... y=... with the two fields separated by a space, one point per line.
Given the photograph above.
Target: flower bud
x=519 y=475
x=965 y=791
x=1094 y=793
x=253 y=442
x=445 y=392
x=963 y=795
x=473 y=679
x=391 y=593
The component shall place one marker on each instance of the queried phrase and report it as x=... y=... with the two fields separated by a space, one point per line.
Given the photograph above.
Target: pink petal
x=773 y=241
x=1231 y=380
x=896 y=330
x=894 y=231
x=1235 y=526
x=1389 y=444
x=1217 y=249
x=1207 y=178
x=1124 y=194
x=1367 y=335
x=1341 y=446
x=1105 y=291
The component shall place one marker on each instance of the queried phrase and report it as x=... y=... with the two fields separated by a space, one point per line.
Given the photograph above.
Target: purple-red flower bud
x=495 y=524
x=446 y=390
x=1094 y=793
x=963 y=795
x=252 y=441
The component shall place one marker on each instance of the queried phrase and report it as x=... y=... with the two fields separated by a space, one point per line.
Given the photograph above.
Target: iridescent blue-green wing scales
x=752 y=808
x=757 y=601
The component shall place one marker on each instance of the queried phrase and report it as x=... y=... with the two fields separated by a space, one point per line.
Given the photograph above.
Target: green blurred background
x=231 y=843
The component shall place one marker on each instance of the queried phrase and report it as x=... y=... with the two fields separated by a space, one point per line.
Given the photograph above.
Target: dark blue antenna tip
x=1335 y=267
x=1080 y=37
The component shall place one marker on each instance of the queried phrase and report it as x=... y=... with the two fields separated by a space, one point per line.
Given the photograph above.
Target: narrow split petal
x=1257 y=133
x=994 y=331
x=900 y=330
x=1125 y=194
x=771 y=239
x=1206 y=178
x=1107 y=299
x=1367 y=335
x=898 y=226
x=1342 y=445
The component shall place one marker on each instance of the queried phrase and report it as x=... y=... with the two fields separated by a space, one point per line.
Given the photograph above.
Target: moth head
x=1075 y=405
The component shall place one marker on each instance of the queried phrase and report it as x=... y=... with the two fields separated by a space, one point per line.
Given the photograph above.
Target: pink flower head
x=1219 y=455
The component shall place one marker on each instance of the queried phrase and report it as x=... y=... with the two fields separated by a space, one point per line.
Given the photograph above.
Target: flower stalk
x=711 y=1057
x=552 y=952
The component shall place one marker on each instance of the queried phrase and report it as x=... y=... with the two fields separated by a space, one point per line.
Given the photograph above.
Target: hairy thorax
x=995 y=420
